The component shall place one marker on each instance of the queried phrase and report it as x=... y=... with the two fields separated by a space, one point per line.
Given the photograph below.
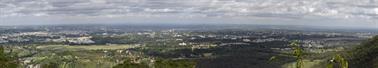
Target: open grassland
x=79 y=56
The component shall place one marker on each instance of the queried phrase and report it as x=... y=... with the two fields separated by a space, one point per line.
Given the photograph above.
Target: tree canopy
x=6 y=61
x=365 y=55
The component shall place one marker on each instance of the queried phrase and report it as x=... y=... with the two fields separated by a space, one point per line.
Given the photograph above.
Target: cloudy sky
x=356 y=13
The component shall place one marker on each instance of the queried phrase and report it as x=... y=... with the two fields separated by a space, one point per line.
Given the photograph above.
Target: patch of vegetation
x=6 y=61
x=129 y=64
x=298 y=53
x=114 y=40
x=338 y=61
x=160 y=63
x=175 y=64
x=365 y=55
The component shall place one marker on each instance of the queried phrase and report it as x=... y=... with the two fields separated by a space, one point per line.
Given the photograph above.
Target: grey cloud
x=291 y=16
x=211 y=8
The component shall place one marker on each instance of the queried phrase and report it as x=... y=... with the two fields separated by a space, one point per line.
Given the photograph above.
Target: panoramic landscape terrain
x=188 y=33
x=177 y=46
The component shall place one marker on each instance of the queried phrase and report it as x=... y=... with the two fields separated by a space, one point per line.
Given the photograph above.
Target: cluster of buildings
x=269 y=40
x=45 y=37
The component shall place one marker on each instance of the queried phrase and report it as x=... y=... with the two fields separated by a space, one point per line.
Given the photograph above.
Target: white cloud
x=376 y=11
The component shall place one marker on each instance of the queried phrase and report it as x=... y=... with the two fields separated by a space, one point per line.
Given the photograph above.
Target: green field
x=90 y=47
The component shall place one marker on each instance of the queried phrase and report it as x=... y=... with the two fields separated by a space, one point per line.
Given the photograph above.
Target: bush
x=6 y=61
x=365 y=55
x=174 y=64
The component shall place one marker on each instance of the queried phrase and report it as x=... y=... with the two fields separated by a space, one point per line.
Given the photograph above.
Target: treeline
x=365 y=55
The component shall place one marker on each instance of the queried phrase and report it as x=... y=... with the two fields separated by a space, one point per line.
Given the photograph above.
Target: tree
x=365 y=55
x=6 y=61
x=298 y=53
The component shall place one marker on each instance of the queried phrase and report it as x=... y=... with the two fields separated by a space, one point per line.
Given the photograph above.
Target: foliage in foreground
x=174 y=64
x=129 y=64
x=338 y=61
x=6 y=61
x=160 y=63
x=365 y=55
x=298 y=53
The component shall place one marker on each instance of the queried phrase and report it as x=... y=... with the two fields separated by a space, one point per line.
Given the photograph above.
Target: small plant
x=298 y=53
x=272 y=59
x=343 y=63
